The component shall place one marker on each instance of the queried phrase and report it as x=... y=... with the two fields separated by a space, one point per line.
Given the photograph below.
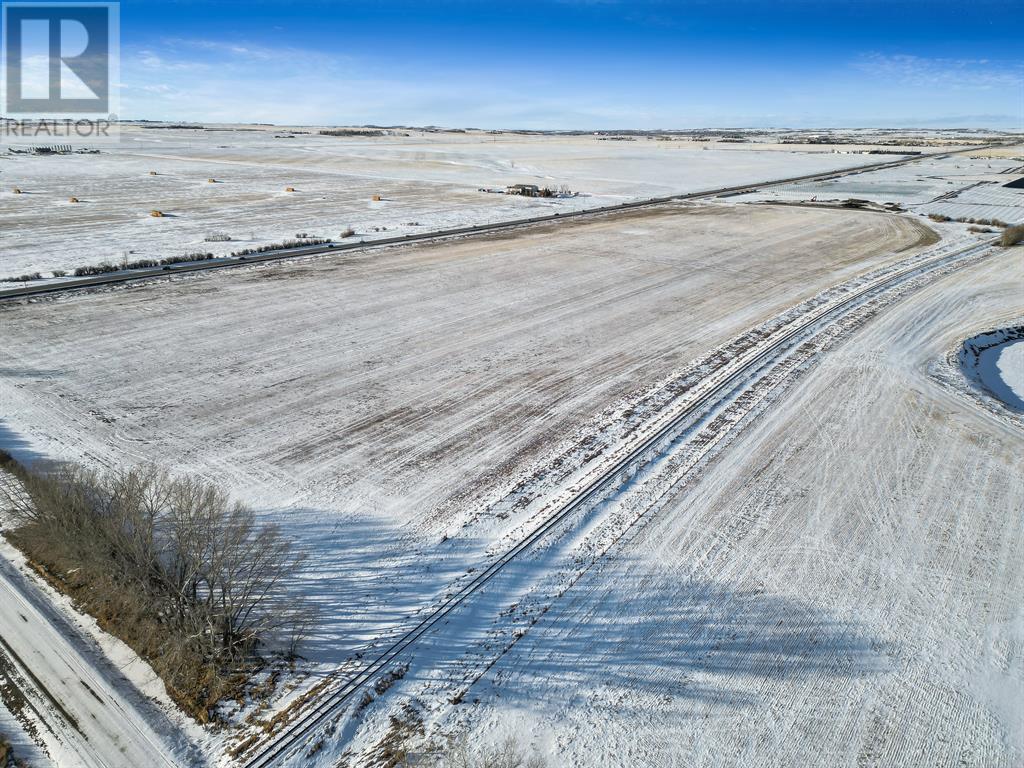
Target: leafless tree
x=183 y=574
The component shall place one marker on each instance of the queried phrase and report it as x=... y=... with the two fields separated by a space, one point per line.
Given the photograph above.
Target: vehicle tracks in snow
x=711 y=400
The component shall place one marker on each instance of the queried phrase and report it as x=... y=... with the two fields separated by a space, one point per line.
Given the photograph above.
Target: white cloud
x=958 y=74
x=239 y=81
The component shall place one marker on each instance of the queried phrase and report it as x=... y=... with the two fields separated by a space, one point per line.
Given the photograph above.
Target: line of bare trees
x=169 y=564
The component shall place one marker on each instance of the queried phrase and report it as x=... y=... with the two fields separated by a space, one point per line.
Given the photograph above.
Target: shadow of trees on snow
x=634 y=632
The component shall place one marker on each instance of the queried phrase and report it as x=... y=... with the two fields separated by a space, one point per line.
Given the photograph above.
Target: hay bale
x=72 y=199
x=16 y=191
x=289 y=189
x=376 y=198
x=152 y=173
x=156 y=214
x=211 y=181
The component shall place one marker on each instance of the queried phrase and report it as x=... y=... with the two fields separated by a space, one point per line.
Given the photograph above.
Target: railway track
x=443 y=234
x=705 y=397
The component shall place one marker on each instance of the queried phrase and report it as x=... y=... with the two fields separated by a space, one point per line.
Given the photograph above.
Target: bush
x=1012 y=236
x=106 y=266
x=351 y=132
x=59 y=273
x=938 y=217
x=186 y=258
x=188 y=579
x=217 y=237
x=22 y=278
x=280 y=246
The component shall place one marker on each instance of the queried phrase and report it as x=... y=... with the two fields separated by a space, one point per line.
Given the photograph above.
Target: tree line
x=189 y=579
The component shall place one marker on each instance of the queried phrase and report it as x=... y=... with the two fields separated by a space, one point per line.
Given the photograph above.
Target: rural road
x=87 y=722
x=314 y=250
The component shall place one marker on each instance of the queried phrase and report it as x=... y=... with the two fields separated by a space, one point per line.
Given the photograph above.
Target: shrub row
x=968 y=220
x=280 y=246
x=105 y=267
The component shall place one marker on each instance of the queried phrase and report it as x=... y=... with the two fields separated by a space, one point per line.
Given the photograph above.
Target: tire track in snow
x=732 y=380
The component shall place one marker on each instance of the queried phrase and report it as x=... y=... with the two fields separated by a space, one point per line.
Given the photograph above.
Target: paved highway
x=291 y=253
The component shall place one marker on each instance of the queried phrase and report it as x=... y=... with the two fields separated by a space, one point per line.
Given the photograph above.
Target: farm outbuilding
x=526 y=190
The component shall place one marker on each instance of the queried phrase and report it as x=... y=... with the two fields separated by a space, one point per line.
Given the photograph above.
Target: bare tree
x=186 y=576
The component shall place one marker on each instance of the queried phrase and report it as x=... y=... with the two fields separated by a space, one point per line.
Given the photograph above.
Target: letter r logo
x=58 y=57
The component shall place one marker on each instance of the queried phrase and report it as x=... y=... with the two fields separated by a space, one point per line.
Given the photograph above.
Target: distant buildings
x=526 y=190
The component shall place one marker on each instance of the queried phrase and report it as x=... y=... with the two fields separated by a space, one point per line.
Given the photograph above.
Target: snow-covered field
x=971 y=185
x=376 y=404
x=841 y=588
x=424 y=180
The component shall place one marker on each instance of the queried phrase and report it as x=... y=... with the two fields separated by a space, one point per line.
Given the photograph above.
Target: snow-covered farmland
x=837 y=587
x=376 y=404
x=424 y=181
x=841 y=588
x=970 y=185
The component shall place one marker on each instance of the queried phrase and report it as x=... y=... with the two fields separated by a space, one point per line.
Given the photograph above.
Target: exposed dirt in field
x=840 y=588
x=374 y=403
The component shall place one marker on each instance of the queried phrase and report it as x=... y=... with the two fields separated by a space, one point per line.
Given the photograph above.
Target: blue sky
x=577 y=63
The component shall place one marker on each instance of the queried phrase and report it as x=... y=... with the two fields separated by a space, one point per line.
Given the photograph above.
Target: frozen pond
x=995 y=361
x=1002 y=370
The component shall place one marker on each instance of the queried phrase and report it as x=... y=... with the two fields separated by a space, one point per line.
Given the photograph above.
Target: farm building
x=526 y=190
